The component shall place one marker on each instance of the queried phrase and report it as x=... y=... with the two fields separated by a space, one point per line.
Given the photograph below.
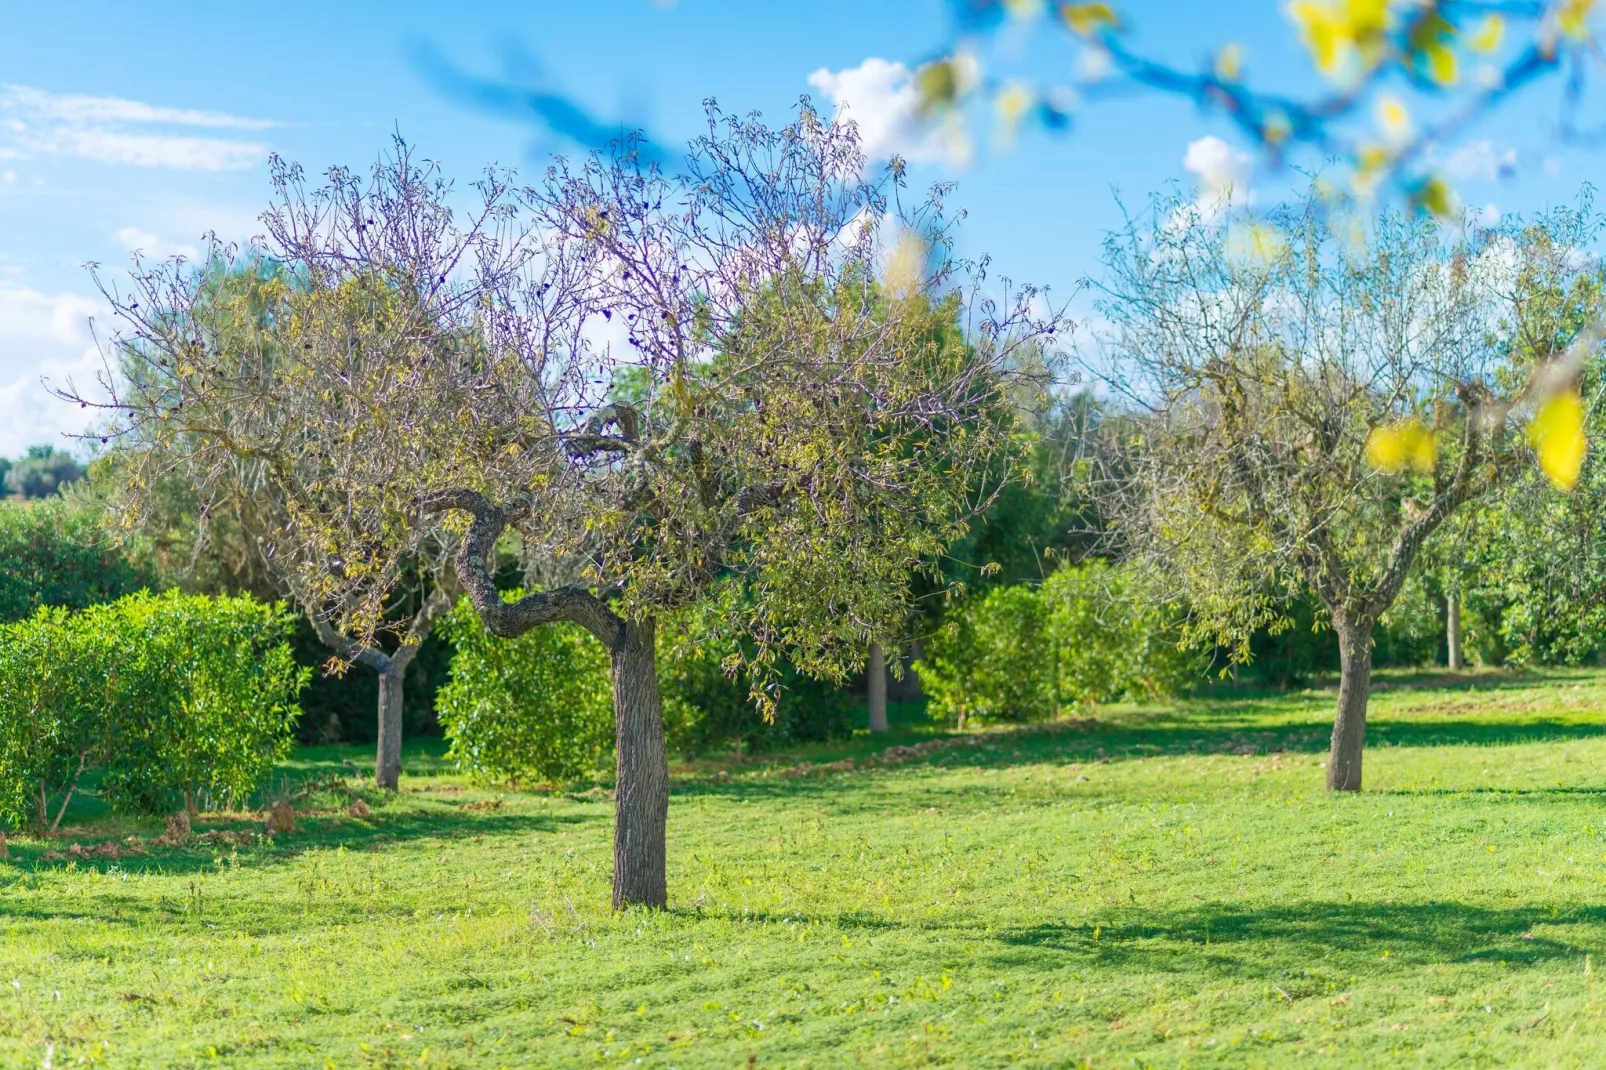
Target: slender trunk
x=1452 y=628
x=641 y=796
x=387 y=759
x=1354 y=684
x=876 y=681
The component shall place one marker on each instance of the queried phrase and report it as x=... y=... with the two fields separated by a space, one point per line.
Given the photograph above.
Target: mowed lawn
x=1166 y=888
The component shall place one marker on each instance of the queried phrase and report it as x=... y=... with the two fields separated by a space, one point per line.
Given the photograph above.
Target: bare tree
x=1310 y=396
x=721 y=384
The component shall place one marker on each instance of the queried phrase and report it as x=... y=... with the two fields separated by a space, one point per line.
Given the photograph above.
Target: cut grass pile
x=1171 y=887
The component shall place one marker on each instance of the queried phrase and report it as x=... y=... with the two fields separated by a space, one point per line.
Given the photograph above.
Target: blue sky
x=127 y=126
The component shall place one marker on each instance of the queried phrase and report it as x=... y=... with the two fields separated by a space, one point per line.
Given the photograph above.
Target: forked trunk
x=387 y=757
x=1452 y=629
x=641 y=798
x=1354 y=684
x=876 y=686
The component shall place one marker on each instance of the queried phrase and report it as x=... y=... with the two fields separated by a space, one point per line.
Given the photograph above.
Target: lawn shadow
x=1241 y=941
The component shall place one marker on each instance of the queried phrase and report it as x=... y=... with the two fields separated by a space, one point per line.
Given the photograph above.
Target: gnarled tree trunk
x=876 y=688
x=641 y=798
x=1354 y=685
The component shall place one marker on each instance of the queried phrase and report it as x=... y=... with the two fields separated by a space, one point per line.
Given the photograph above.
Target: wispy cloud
x=1222 y=173
x=35 y=123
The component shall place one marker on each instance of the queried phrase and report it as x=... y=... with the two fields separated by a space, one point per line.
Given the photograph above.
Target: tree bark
x=387 y=756
x=641 y=796
x=1452 y=628
x=876 y=686
x=1354 y=685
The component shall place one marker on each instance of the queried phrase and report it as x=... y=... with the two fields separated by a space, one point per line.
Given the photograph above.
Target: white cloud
x=880 y=96
x=1482 y=160
x=1222 y=173
x=44 y=336
x=151 y=246
x=35 y=123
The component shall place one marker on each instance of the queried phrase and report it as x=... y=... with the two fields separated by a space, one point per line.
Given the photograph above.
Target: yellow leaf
x=1441 y=64
x=1433 y=195
x=1557 y=435
x=1487 y=37
x=1013 y=101
x=906 y=267
x=1393 y=118
x=1572 y=17
x=1321 y=30
x=1088 y=20
x=1396 y=447
x=1230 y=62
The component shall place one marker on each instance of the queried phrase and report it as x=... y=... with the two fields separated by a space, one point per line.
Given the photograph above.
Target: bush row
x=151 y=701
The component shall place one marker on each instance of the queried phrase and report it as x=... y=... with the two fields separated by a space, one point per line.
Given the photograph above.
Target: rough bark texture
x=876 y=686
x=387 y=756
x=1354 y=684
x=1452 y=629
x=642 y=795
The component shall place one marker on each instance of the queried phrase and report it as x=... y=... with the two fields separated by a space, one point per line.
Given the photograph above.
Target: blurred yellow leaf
x=1230 y=62
x=906 y=267
x=1441 y=64
x=1487 y=37
x=1320 y=28
x=1393 y=118
x=1013 y=102
x=1087 y=20
x=1433 y=195
x=1572 y=17
x=1557 y=435
x=1396 y=447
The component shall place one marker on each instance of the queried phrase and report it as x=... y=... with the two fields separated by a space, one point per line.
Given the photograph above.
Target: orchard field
x=1166 y=886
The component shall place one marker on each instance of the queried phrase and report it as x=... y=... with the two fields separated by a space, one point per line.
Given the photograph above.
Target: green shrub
x=992 y=660
x=54 y=553
x=535 y=708
x=159 y=698
x=1089 y=634
x=1111 y=638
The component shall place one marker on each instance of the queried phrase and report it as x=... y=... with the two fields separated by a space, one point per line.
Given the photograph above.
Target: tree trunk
x=1354 y=684
x=387 y=758
x=1452 y=628
x=876 y=681
x=641 y=796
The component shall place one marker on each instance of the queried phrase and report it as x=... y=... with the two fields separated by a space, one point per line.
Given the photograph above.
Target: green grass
x=1171 y=888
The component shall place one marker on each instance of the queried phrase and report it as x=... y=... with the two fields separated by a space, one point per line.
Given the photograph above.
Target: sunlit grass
x=1170 y=888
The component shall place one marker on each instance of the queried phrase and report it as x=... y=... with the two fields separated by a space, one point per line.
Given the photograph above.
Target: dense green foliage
x=532 y=709
x=708 y=709
x=539 y=708
x=159 y=699
x=55 y=553
x=1087 y=635
x=1197 y=900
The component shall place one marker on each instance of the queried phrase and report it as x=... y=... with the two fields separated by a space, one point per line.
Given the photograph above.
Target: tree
x=668 y=386
x=42 y=473
x=216 y=519
x=1309 y=400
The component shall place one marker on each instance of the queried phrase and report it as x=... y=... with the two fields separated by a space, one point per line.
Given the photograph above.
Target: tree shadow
x=1334 y=936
